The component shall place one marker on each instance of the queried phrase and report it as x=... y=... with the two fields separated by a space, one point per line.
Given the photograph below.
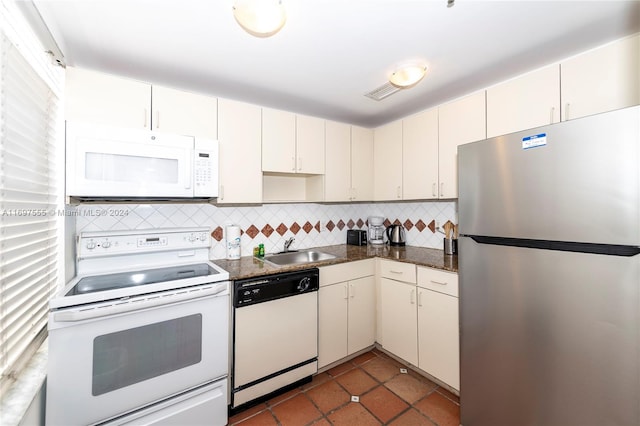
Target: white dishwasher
x=275 y=334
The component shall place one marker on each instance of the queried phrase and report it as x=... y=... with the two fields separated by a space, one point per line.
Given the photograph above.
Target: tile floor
x=387 y=397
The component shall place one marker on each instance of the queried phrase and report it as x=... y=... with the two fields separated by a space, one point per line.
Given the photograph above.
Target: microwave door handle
x=189 y=174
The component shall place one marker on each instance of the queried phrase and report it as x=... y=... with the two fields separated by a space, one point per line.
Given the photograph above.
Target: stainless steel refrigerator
x=549 y=270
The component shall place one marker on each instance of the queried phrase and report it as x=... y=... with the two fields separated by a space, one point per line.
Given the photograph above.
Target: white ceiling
x=331 y=52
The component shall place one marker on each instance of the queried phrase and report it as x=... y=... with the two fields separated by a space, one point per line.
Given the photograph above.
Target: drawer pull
x=395 y=272
x=439 y=283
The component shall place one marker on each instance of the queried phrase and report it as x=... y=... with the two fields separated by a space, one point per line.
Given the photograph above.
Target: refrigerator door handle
x=578 y=247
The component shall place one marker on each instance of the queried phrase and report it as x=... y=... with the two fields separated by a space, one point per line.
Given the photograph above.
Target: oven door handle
x=137 y=304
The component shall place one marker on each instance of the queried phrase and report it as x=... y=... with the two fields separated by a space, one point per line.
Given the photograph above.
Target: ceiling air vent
x=382 y=92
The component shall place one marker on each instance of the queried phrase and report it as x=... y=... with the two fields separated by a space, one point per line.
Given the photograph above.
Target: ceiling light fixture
x=260 y=18
x=407 y=75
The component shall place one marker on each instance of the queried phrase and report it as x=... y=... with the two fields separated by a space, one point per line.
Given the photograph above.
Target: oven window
x=130 y=356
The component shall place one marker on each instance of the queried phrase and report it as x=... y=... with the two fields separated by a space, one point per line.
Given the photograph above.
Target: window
x=30 y=204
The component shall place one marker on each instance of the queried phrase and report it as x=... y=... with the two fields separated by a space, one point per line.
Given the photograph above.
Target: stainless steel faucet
x=288 y=243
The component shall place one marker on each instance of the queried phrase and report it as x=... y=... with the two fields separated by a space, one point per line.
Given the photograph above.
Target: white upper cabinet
x=361 y=164
x=525 y=102
x=99 y=98
x=292 y=143
x=278 y=141
x=176 y=111
x=387 y=162
x=309 y=145
x=240 y=152
x=420 y=156
x=337 y=177
x=461 y=121
x=601 y=80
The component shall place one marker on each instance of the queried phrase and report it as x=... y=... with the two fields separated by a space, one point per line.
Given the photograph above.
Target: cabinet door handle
x=412 y=297
x=399 y=192
x=145 y=118
x=566 y=111
x=438 y=282
x=346 y=292
x=293 y=164
x=420 y=299
x=442 y=189
x=551 y=114
x=299 y=164
x=433 y=189
x=352 y=291
x=157 y=126
x=221 y=195
x=354 y=193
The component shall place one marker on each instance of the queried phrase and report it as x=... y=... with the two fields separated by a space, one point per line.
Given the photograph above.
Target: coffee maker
x=376 y=229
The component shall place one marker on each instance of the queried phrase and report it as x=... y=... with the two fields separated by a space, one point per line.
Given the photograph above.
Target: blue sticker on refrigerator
x=534 y=141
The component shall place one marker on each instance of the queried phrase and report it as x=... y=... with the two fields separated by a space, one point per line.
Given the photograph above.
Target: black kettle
x=395 y=235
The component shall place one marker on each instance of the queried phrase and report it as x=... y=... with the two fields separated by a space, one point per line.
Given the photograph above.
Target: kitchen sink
x=297 y=257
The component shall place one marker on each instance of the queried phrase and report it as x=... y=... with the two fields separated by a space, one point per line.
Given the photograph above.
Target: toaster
x=356 y=237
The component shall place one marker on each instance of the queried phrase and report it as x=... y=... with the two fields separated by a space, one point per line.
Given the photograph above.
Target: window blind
x=28 y=208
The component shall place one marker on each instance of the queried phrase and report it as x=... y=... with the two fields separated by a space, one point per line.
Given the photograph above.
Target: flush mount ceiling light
x=407 y=75
x=260 y=18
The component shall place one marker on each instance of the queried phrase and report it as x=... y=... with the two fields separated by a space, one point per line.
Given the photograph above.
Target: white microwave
x=117 y=163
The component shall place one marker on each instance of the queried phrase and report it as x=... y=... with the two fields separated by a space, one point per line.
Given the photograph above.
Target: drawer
x=398 y=271
x=346 y=271
x=440 y=281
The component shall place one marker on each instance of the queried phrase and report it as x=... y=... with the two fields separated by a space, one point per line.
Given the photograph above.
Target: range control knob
x=106 y=244
x=192 y=237
x=304 y=284
x=91 y=245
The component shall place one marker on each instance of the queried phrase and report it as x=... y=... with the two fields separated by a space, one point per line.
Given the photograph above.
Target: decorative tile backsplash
x=312 y=225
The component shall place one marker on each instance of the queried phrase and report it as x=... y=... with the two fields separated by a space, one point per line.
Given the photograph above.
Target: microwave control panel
x=205 y=166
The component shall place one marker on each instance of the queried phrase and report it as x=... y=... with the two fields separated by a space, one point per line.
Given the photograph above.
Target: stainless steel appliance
x=141 y=335
x=113 y=163
x=275 y=334
x=550 y=274
x=376 y=229
x=395 y=235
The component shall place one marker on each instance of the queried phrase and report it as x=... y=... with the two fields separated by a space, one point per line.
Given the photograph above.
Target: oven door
x=113 y=162
x=111 y=358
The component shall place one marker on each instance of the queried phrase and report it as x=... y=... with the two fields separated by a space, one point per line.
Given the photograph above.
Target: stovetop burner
x=92 y=284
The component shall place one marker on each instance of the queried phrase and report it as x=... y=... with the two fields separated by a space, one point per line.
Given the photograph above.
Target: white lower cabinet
x=438 y=325
x=399 y=317
x=346 y=310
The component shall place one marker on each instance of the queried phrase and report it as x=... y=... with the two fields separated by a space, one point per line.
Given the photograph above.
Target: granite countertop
x=249 y=267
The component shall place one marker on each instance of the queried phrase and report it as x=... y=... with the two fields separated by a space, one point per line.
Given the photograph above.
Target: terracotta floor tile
x=411 y=418
x=408 y=388
x=423 y=379
x=318 y=379
x=356 y=381
x=361 y=359
x=287 y=395
x=439 y=409
x=265 y=418
x=321 y=422
x=340 y=369
x=328 y=396
x=381 y=368
x=455 y=398
x=296 y=411
x=351 y=415
x=236 y=418
x=383 y=403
